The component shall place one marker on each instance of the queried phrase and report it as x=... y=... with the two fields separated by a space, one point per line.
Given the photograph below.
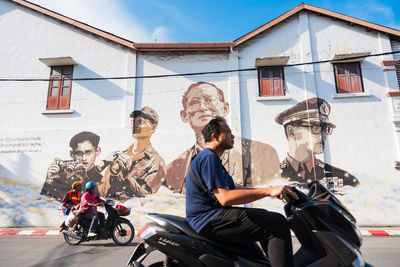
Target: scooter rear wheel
x=123 y=233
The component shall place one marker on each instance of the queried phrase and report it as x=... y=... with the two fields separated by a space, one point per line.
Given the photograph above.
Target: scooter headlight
x=359 y=262
x=358 y=232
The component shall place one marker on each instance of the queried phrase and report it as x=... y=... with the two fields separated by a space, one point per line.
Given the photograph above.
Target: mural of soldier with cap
x=138 y=170
x=306 y=127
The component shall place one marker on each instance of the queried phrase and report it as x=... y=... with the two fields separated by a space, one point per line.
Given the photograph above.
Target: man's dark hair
x=82 y=137
x=212 y=127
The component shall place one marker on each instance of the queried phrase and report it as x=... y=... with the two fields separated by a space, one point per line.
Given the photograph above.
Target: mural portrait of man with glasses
x=62 y=173
x=307 y=127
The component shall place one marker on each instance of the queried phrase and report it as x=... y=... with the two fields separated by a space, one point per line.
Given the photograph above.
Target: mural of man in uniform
x=139 y=170
x=61 y=174
x=256 y=164
x=306 y=127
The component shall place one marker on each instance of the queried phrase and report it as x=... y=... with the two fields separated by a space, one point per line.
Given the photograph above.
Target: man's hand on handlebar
x=283 y=193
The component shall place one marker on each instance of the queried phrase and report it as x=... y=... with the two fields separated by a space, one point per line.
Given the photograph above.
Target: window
x=59 y=94
x=271 y=81
x=348 y=77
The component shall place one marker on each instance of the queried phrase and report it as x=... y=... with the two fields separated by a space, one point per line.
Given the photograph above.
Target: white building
x=353 y=69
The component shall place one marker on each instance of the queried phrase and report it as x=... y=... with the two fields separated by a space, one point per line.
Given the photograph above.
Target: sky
x=204 y=20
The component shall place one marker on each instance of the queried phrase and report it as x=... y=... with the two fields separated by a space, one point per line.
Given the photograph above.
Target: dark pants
x=241 y=225
x=96 y=221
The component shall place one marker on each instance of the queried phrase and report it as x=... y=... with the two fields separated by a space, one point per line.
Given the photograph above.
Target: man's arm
x=228 y=197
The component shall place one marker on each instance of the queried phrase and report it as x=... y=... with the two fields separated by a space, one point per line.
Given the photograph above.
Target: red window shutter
x=271 y=82
x=342 y=84
x=65 y=92
x=348 y=78
x=355 y=83
x=278 y=86
x=54 y=92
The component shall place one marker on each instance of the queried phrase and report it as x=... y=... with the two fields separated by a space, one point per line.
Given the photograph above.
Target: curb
x=54 y=232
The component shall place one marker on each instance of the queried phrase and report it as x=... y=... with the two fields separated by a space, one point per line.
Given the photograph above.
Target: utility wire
x=191 y=73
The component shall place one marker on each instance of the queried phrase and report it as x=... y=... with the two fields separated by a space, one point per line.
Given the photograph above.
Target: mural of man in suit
x=61 y=174
x=306 y=127
x=138 y=170
x=250 y=163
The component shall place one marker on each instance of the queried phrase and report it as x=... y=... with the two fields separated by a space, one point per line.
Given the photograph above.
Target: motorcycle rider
x=71 y=201
x=213 y=216
x=89 y=211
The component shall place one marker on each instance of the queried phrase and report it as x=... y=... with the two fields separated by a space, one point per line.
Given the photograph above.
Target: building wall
x=96 y=105
x=364 y=142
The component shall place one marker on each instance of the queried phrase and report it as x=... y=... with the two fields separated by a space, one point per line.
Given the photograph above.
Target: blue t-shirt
x=202 y=208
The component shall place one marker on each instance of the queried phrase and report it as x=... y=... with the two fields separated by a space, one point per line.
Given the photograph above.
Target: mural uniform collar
x=296 y=164
x=147 y=151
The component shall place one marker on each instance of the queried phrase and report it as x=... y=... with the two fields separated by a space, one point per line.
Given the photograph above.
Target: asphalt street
x=53 y=251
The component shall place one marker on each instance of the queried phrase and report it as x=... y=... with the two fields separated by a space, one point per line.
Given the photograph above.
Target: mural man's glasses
x=80 y=154
x=318 y=128
x=209 y=102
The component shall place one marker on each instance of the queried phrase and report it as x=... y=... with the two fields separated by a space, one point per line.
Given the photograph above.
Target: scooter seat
x=247 y=249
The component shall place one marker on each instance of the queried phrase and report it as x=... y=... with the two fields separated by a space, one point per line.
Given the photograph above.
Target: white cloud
x=373 y=11
x=160 y=35
x=108 y=15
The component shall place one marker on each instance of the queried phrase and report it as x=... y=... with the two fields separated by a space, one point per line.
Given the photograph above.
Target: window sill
x=58 y=111
x=350 y=95
x=273 y=98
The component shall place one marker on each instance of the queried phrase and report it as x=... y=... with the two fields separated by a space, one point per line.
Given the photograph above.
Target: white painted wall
x=364 y=142
x=364 y=137
x=99 y=106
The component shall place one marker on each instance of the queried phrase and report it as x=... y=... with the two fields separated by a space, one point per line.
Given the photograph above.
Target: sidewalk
x=365 y=231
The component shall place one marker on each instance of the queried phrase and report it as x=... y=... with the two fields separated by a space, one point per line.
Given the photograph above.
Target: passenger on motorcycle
x=89 y=211
x=71 y=201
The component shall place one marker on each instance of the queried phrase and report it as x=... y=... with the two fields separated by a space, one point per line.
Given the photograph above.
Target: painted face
x=308 y=141
x=141 y=127
x=225 y=137
x=203 y=104
x=85 y=153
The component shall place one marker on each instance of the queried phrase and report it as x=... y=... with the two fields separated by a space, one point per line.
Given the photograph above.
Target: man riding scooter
x=89 y=203
x=210 y=213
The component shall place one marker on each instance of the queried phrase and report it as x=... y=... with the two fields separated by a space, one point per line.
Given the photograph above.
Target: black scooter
x=325 y=229
x=119 y=229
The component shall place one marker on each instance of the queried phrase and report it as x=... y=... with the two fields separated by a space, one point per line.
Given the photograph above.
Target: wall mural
x=306 y=128
x=62 y=173
x=201 y=102
x=138 y=176
x=139 y=170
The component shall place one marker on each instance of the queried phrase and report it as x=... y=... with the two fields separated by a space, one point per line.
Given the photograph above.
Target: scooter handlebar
x=301 y=196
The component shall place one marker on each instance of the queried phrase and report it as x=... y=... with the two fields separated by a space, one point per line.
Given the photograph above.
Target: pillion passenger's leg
x=94 y=223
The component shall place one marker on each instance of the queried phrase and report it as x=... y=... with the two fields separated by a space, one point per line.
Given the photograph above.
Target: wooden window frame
x=348 y=83
x=278 y=83
x=59 y=101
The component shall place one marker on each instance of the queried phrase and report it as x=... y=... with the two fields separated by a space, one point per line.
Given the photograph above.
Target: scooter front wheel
x=123 y=232
x=168 y=262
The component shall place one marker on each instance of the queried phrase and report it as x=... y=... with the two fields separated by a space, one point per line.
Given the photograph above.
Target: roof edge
x=205 y=46
x=319 y=10
x=75 y=23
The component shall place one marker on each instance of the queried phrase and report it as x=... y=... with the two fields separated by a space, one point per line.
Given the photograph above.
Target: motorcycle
x=326 y=230
x=119 y=229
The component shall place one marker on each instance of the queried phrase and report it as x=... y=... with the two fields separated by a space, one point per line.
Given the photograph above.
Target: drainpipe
x=234 y=52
